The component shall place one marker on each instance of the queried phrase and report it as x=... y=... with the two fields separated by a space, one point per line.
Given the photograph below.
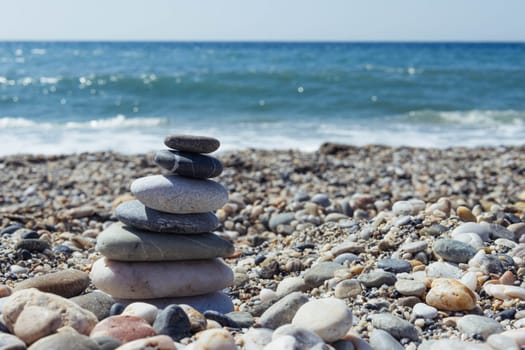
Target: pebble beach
x=346 y=247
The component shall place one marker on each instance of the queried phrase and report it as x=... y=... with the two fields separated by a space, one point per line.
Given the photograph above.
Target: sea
x=72 y=97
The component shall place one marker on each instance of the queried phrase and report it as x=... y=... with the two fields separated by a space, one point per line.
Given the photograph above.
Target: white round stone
x=329 y=318
x=143 y=310
x=425 y=311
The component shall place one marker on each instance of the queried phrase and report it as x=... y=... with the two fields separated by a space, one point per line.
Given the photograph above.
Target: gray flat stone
x=479 y=325
x=283 y=311
x=97 y=302
x=394 y=265
x=382 y=340
x=136 y=214
x=397 y=327
x=65 y=341
x=125 y=243
x=178 y=194
x=280 y=219
x=192 y=143
x=377 y=278
x=320 y=272
x=188 y=164
x=454 y=251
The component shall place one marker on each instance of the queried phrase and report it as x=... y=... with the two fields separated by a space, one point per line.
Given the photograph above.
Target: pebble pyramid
x=162 y=247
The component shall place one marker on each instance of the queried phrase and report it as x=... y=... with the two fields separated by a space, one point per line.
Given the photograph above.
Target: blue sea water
x=72 y=97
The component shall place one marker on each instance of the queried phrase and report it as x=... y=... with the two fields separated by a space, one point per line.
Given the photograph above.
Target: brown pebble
x=5 y=291
x=124 y=328
x=465 y=214
x=451 y=295
x=66 y=283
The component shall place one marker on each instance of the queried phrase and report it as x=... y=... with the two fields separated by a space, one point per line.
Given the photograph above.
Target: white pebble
x=470 y=279
x=425 y=311
x=267 y=295
x=143 y=310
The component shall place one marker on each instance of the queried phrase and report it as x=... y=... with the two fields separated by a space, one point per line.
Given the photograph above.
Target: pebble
x=193 y=195
x=424 y=311
x=471 y=239
x=107 y=343
x=329 y=318
x=304 y=338
x=465 y=214
x=394 y=265
x=65 y=341
x=145 y=311
x=214 y=339
x=347 y=247
x=11 y=342
x=504 y=292
x=159 y=342
x=136 y=214
x=454 y=251
x=31 y=315
x=482 y=230
x=124 y=328
x=33 y=245
x=266 y=295
x=321 y=199
x=280 y=219
x=147 y=280
x=283 y=311
x=286 y=342
x=126 y=243
x=414 y=247
x=498 y=341
x=191 y=143
x=346 y=257
x=348 y=289
x=66 y=283
x=450 y=295
x=222 y=319
x=197 y=320
x=377 y=278
x=410 y=287
x=188 y=164
x=256 y=338
x=116 y=309
x=517 y=334
x=395 y=326
x=471 y=325
x=382 y=340
x=443 y=270
x=99 y=303
x=241 y=319
x=10 y=229
x=173 y=322
x=289 y=285
x=317 y=274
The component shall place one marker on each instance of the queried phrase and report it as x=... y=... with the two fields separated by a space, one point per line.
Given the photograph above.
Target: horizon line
x=239 y=41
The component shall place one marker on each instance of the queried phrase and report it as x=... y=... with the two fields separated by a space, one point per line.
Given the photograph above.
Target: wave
x=119 y=121
x=475 y=118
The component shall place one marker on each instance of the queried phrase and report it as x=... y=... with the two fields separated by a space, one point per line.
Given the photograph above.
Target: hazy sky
x=334 y=20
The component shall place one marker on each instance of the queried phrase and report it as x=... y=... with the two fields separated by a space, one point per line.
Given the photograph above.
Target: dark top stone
x=222 y=319
x=191 y=143
x=454 y=251
x=188 y=164
x=136 y=214
x=33 y=245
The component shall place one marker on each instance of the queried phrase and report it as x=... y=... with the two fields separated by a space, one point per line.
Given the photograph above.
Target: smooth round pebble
x=143 y=310
x=425 y=311
x=329 y=318
x=450 y=295
x=215 y=339
x=471 y=325
x=192 y=143
x=382 y=340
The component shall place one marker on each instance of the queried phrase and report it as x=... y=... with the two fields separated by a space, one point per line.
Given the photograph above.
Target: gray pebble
x=320 y=272
x=283 y=311
x=394 y=265
x=454 y=251
x=173 y=322
x=396 y=326
x=478 y=325
x=377 y=278
x=382 y=340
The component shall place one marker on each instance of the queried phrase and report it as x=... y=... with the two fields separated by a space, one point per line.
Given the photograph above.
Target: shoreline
x=338 y=194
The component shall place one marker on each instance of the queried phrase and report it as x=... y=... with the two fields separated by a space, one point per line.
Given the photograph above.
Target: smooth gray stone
x=482 y=230
x=192 y=143
x=97 y=302
x=397 y=327
x=394 y=265
x=241 y=318
x=136 y=214
x=280 y=219
x=125 y=243
x=454 y=251
x=11 y=342
x=178 y=194
x=498 y=231
x=106 y=342
x=193 y=165
x=283 y=311
x=381 y=340
x=65 y=341
x=320 y=272
x=173 y=322
x=305 y=338
x=481 y=325
x=377 y=278
x=216 y=301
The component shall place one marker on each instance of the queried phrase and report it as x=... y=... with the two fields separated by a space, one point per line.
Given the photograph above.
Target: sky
x=264 y=20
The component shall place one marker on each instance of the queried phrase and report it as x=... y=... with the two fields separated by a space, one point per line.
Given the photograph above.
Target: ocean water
x=76 y=97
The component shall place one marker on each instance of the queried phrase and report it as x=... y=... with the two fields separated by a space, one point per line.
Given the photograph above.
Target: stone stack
x=162 y=247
